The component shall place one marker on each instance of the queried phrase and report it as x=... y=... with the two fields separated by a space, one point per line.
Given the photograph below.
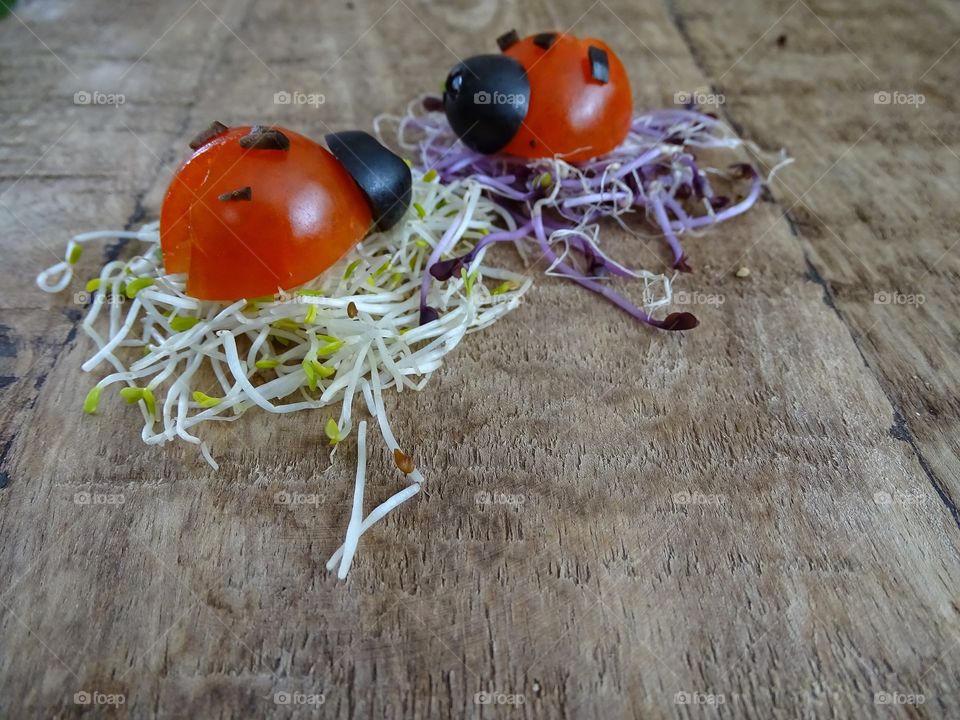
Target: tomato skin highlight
x=304 y=214
x=571 y=114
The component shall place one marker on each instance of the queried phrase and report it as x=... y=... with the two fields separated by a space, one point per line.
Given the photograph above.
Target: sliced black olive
x=486 y=99
x=382 y=175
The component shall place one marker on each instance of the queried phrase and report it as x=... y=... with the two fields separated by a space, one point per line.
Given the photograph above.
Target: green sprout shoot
x=182 y=324
x=332 y=431
x=204 y=400
x=92 y=400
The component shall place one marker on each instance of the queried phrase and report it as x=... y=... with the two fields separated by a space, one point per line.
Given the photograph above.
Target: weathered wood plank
x=785 y=587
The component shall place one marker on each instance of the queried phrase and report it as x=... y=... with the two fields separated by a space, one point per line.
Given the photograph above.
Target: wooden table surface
x=812 y=417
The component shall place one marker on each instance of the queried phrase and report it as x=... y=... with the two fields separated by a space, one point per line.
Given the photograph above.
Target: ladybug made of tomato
x=259 y=209
x=546 y=95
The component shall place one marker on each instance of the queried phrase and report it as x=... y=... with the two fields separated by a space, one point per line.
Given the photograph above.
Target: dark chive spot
x=244 y=193
x=264 y=138
x=533 y=143
x=599 y=64
x=202 y=138
x=781 y=40
x=545 y=40
x=508 y=40
x=352 y=310
x=682 y=265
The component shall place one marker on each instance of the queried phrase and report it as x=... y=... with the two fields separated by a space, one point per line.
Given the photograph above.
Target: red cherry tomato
x=571 y=113
x=302 y=213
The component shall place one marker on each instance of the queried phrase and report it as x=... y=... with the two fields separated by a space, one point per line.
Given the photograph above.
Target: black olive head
x=486 y=98
x=382 y=175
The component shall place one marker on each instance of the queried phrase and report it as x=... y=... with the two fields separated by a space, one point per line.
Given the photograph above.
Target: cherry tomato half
x=545 y=95
x=245 y=222
x=255 y=210
x=572 y=114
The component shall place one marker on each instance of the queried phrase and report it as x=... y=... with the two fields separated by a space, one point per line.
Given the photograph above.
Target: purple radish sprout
x=653 y=171
x=427 y=313
x=673 y=321
x=445 y=269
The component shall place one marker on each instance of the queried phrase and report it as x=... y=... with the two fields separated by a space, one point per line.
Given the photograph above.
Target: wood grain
x=814 y=428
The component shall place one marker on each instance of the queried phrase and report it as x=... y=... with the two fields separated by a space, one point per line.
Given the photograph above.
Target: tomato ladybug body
x=257 y=209
x=551 y=94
